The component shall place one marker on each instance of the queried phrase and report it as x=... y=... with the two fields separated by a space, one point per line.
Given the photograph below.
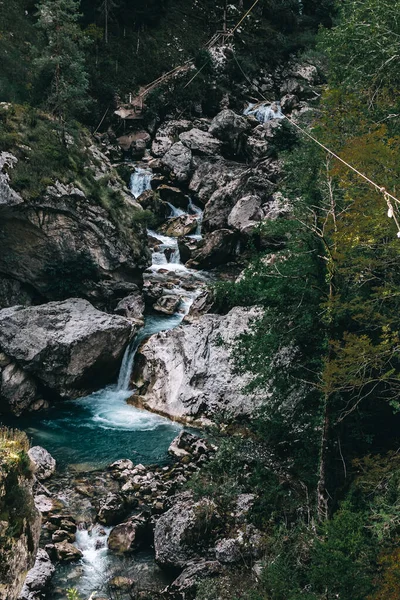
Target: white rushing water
x=140 y=181
x=264 y=112
x=175 y=212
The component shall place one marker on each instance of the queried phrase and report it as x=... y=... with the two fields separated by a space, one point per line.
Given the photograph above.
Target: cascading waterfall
x=140 y=181
x=175 y=212
x=264 y=112
x=196 y=210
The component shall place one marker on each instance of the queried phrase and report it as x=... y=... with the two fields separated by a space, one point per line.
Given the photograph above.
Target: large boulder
x=246 y=214
x=38 y=577
x=187 y=372
x=65 y=243
x=219 y=248
x=64 y=552
x=69 y=347
x=178 y=160
x=183 y=530
x=44 y=463
x=112 y=509
x=167 y=134
x=231 y=129
x=180 y=226
x=128 y=536
x=201 y=142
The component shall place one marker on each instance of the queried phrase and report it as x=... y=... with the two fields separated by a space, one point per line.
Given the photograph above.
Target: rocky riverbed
x=119 y=516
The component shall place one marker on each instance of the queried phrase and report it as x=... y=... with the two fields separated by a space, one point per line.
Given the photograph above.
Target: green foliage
x=365 y=24
x=72 y=594
x=62 y=63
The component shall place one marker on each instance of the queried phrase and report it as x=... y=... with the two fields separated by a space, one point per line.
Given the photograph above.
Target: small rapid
x=264 y=111
x=140 y=181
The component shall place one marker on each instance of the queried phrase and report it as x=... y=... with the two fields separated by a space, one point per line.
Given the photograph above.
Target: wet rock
x=181 y=529
x=123 y=584
x=38 y=577
x=201 y=305
x=121 y=465
x=60 y=536
x=132 y=307
x=135 y=143
x=201 y=142
x=187 y=247
x=186 y=372
x=289 y=102
x=167 y=134
x=18 y=390
x=64 y=552
x=168 y=304
x=44 y=463
x=69 y=347
x=113 y=509
x=219 y=248
x=212 y=174
x=161 y=144
x=246 y=215
x=231 y=129
x=173 y=195
x=180 y=226
x=129 y=536
x=178 y=160
x=151 y=201
x=185 y=586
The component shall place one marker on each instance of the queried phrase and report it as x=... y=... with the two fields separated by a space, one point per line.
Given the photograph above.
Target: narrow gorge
x=199 y=367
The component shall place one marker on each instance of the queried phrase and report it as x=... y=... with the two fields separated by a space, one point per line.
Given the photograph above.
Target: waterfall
x=140 y=181
x=175 y=212
x=264 y=112
x=166 y=243
x=195 y=210
x=125 y=371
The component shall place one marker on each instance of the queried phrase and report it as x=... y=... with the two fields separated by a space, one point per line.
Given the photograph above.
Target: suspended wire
x=389 y=198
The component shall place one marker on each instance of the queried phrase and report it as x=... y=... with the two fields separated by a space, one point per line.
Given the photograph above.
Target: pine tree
x=62 y=64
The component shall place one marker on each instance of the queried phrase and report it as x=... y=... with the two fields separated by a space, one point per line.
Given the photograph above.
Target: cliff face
x=68 y=228
x=19 y=520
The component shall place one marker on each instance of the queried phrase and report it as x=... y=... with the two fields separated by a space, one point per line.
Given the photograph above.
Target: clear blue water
x=91 y=432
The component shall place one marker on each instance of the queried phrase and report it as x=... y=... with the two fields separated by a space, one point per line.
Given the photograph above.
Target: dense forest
x=321 y=455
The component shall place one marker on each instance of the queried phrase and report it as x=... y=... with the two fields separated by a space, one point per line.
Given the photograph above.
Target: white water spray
x=264 y=112
x=140 y=181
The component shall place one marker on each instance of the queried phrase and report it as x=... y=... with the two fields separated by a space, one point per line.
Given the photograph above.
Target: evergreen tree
x=62 y=63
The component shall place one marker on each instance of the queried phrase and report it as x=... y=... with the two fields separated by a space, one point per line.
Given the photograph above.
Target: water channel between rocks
x=86 y=435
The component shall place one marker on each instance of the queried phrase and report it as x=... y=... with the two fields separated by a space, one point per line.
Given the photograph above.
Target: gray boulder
x=187 y=372
x=44 y=463
x=132 y=307
x=231 y=129
x=201 y=142
x=69 y=347
x=128 y=536
x=112 y=509
x=18 y=390
x=178 y=160
x=38 y=577
x=246 y=214
x=181 y=529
